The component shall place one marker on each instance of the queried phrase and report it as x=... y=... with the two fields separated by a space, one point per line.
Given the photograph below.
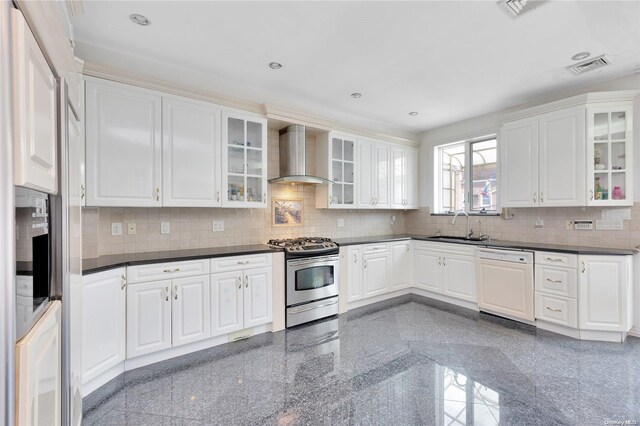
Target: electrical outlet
x=218 y=225
x=131 y=228
x=116 y=229
x=164 y=228
x=340 y=223
x=568 y=225
x=539 y=223
x=393 y=219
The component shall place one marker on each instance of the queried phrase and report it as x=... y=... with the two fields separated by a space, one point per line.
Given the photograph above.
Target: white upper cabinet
x=190 y=153
x=244 y=160
x=374 y=176
x=123 y=140
x=561 y=158
x=542 y=160
x=610 y=155
x=34 y=109
x=404 y=178
x=336 y=161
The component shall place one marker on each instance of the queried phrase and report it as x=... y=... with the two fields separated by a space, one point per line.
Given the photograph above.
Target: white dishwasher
x=505 y=283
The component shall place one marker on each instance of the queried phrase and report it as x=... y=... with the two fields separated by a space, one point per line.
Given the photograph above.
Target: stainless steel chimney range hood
x=292 y=158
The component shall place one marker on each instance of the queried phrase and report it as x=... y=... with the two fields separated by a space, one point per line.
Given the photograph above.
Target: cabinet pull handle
x=444 y=260
x=355 y=258
x=157 y=194
x=542 y=197
x=371 y=201
x=82 y=192
x=554 y=281
x=534 y=197
x=553 y=259
x=584 y=267
x=553 y=310
x=171 y=270
x=246 y=283
x=365 y=263
x=175 y=295
x=123 y=280
x=239 y=283
x=440 y=260
x=591 y=197
x=217 y=195
x=166 y=294
x=264 y=197
x=243 y=262
x=408 y=248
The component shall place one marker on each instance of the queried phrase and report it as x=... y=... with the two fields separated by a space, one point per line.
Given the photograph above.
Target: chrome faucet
x=469 y=230
x=481 y=235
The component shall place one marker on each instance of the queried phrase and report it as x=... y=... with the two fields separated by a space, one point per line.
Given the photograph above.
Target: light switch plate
x=539 y=223
x=131 y=228
x=340 y=223
x=218 y=225
x=164 y=228
x=568 y=225
x=116 y=229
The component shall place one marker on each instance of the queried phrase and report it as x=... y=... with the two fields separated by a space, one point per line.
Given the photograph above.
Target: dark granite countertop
x=104 y=263
x=518 y=245
x=367 y=240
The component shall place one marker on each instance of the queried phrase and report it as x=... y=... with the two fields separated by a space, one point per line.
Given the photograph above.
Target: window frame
x=468 y=177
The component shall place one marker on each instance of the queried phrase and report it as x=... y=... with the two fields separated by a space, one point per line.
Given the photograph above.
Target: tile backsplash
x=521 y=227
x=193 y=227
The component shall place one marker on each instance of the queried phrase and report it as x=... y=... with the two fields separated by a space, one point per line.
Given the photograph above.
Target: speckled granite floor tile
x=409 y=361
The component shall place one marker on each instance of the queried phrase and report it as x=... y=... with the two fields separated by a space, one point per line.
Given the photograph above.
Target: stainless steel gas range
x=311 y=278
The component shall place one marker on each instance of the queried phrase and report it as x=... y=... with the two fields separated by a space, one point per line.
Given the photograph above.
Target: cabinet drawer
x=376 y=248
x=556 y=259
x=556 y=309
x=236 y=263
x=462 y=249
x=167 y=271
x=557 y=281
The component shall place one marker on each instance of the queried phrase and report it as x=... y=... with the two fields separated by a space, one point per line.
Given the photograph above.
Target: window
x=466 y=176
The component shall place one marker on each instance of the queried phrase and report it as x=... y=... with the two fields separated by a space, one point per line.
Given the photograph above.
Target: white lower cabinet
x=604 y=293
x=400 y=276
x=356 y=291
x=556 y=309
x=165 y=314
x=375 y=273
x=103 y=322
x=241 y=299
x=148 y=317
x=446 y=270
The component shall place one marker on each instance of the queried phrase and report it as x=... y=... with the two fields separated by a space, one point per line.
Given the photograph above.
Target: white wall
x=488 y=124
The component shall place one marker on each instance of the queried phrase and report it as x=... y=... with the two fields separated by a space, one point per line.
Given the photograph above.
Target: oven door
x=311 y=279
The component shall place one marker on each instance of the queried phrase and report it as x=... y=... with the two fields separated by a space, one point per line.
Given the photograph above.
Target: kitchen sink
x=447 y=237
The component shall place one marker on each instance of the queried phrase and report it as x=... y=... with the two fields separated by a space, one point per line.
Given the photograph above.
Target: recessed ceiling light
x=275 y=65
x=356 y=95
x=140 y=19
x=581 y=55
x=413 y=113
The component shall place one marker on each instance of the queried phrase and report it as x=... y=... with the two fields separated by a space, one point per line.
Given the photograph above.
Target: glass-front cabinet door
x=610 y=156
x=244 y=154
x=341 y=191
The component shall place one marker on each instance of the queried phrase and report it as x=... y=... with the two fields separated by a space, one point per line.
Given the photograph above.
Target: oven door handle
x=297 y=311
x=319 y=261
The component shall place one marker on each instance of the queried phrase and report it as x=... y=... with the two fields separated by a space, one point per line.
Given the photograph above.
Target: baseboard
x=560 y=329
x=635 y=332
x=375 y=299
x=441 y=297
x=102 y=379
x=603 y=336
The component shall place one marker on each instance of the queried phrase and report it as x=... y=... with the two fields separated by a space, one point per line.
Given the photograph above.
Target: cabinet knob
x=166 y=294
x=364 y=264
x=239 y=282
x=264 y=197
x=542 y=197
x=584 y=267
x=218 y=196
x=123 y=281
x=175 y=295
x=246 y=282
x=534 y=197
x=355 y=258
x=157 y=194
x=82 y=192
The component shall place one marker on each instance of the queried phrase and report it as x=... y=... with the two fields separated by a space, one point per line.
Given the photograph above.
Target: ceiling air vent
x=589 y=65
x=516 y=8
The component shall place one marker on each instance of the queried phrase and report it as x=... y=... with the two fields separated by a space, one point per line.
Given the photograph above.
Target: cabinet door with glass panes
x=609 y=155
x=244 y=156
x=335 y=160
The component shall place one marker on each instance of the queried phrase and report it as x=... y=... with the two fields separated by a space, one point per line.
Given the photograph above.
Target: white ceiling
x=448 y=60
